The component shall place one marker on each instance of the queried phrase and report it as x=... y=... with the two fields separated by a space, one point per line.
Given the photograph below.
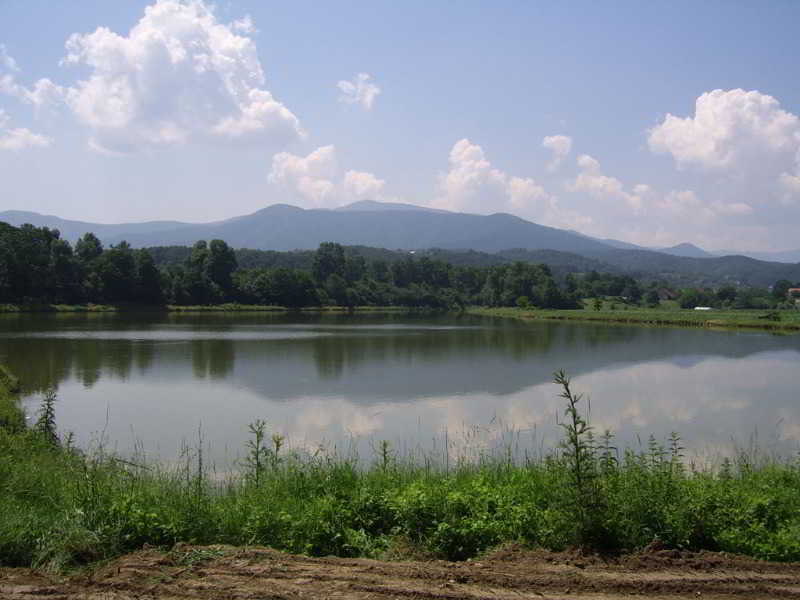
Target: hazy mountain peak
x=686 y=249
x=374 y=205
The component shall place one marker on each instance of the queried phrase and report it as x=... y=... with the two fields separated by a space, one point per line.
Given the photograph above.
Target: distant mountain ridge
x=786 y=256
x=285 y=227
x=72 y=230
x=407 y=227
x=686 y=249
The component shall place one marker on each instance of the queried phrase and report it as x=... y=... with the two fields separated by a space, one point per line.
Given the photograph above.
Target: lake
x=155 y=382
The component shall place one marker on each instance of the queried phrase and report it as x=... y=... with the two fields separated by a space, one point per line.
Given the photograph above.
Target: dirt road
x=255 y=573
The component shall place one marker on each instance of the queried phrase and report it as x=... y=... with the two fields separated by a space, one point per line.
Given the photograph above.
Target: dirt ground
x=202 y=573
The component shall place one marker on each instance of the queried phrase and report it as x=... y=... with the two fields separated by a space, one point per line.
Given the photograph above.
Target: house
x=702 y=308
x=667 y=294
x=793 y=293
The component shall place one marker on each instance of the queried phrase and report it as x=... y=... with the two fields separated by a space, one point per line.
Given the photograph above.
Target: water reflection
x=328 y=378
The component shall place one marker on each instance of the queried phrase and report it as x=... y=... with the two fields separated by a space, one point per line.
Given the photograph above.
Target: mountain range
x=403 y=226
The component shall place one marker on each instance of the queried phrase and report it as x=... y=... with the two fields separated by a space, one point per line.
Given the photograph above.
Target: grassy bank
x=62 y=507
x=227 y=307
x=786 y=321
x=40 y=307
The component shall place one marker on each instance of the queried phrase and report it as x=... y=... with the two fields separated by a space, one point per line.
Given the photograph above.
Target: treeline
x=37 y=266
x=742 y=297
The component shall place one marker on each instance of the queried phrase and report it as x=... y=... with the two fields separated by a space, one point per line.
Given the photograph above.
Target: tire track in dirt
x=205 y=573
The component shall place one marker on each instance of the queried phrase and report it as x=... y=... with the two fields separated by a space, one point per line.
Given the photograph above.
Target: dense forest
x=38 y=266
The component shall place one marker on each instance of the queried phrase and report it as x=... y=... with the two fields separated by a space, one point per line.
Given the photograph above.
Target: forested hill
x=37 y=266
x=284 y=227
x=676 y=271
x=735 y=270
x=282 y=232
x=561 y=263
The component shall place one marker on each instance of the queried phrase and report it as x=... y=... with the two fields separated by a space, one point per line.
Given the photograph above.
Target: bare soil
x=192 y=572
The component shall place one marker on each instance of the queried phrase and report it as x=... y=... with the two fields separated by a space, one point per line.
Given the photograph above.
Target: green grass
x=44 y=307
x=789 y=320
x=62 y=507
x=226 y=307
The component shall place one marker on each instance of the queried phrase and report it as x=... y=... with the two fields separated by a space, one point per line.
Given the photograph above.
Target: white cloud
x=560 y=145
x=473 y=184
x=44 y=92
x=178 y=75
x=593 y=181
x=744 y=150
x=685 y=203
x=309 y=176
x=315 y=179
x=728 y=130
x=731 y=208
x=8 y=71
x=362 y=186
x=359 y=91
x=19 y=138
x=791 y=187
x=746 y=137
x=244 y=25
x=522 y=191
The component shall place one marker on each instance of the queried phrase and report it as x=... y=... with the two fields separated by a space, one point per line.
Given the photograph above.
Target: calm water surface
x=153 y=381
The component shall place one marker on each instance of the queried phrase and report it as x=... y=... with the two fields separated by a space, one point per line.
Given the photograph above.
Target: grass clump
x=62 y=507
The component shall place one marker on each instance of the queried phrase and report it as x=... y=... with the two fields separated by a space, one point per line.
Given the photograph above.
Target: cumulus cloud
x=685 y=203
x=594 y=182
x=744 y=136
x=44 y=92
x=179 y=74
x=360 y=90
x=473 y=184
x=8 y=71
x=362 y=185
x=791 y=187
x=729 y=129
x=560 y=145
x=244 y=25
x=19 y=138
x=315 y=179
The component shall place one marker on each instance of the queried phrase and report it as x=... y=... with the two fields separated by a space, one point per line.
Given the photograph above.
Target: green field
x=670 y=314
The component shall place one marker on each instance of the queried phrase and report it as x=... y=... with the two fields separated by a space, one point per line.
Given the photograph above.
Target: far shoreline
x=716 y=319
x=787 y=321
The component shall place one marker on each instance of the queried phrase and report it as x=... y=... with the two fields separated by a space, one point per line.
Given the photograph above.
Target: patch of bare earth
x=256 y=573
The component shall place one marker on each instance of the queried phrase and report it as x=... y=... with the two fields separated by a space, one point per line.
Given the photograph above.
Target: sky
x=650 y=122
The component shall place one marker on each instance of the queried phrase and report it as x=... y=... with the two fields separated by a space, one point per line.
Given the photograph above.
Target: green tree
x=64 y=269
x=336 y=287
x=651 y=298
x=780 y=289
x=355 y=268
x=148 y=279
x=116 y=270
x=88 y=248
x=293 y=288
x=726 y=294
x=219 y=265
x=328 y=260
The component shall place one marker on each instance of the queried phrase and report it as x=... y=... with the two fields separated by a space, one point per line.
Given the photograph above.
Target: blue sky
x=652 y=122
